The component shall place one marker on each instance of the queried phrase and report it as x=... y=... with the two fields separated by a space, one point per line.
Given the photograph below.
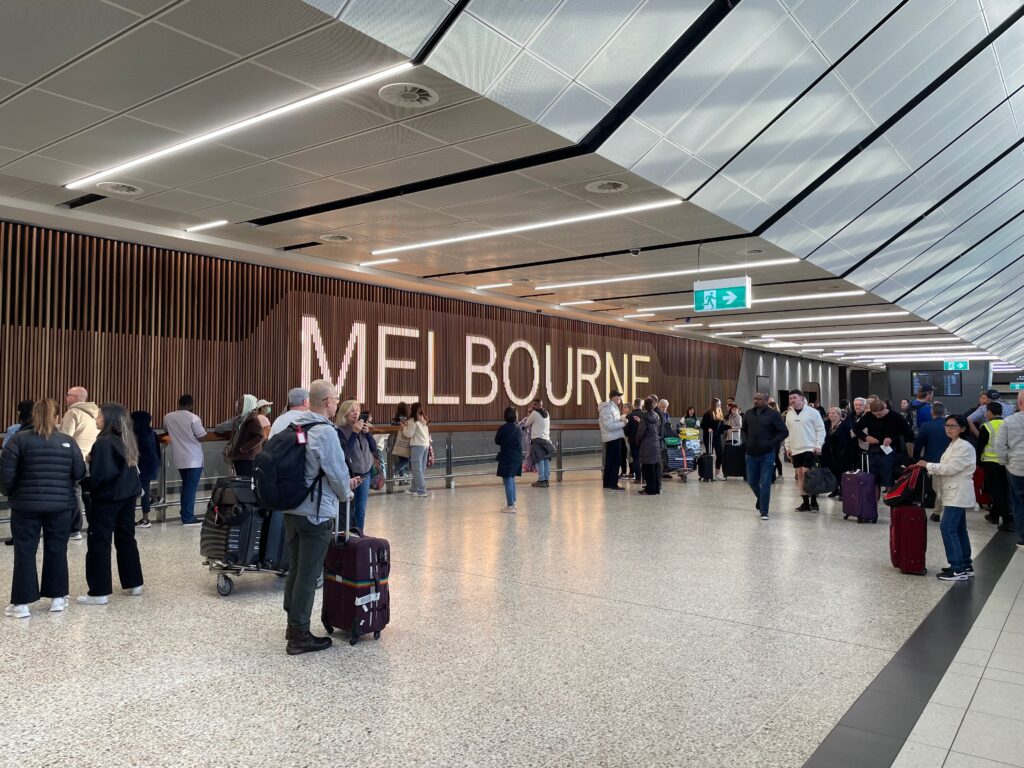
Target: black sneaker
x=815 y=507
x=764 y=515
x=142 y=524
x=936 y=517
x=952 y=576
x=804 y=508
x=757 y=505
x=969 y=570
x=1006 y=528
x=991 y=519
x=193 y=521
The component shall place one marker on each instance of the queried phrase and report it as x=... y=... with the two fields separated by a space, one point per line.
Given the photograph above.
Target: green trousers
x=307 y=546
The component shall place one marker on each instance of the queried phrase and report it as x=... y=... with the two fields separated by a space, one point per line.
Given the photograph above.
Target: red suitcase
x=981 y=496
x=356 y=594
x=908 y=539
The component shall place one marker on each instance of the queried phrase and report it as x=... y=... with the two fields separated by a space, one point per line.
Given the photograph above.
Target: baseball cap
x=993 y=394
x=615 y=393
x=926 y=388
x=261 y=403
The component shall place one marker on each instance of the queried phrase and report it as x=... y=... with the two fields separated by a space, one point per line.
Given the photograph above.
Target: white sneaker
x=58 y=604
x=91 y=600
x=17 y=611
x=409 y=492
x=422 y=494
x=135 y=591
x=76 y=536
x=509 y=510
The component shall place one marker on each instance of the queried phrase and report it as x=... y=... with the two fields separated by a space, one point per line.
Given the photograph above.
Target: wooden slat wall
x=140 y=325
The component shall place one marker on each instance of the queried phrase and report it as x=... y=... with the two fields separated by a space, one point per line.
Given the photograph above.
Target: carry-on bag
x=706 y=463
x=859 y=499
x=981 y=496
x=274 y=547
x=819 y=480
x=734 y=459
x=908 y=523
x=232 y=524
x=356 y=594
x=674 y=452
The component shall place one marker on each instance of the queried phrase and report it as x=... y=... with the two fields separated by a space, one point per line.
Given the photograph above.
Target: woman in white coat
x=955 y=471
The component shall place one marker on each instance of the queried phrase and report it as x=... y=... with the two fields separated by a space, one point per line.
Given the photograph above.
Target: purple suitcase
x=859 y=498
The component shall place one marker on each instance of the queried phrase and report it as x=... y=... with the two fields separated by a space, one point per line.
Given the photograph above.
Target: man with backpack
x=305 y=463
x=921 y=407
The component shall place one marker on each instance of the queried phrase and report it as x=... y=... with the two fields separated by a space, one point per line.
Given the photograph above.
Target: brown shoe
x=540 y=484
x=301 y=641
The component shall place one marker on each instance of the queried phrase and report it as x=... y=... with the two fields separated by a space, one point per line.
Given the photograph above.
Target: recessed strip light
x=927 y=350
x=888 y=342
x=641 y=314
x=674 y=273
x=926 y=358
x=493 y=285
x=809 y=297
x=781 y=344
x=377 y=263
x=728 y=333
x=807 y=319
x=816 y=349
x=530 y=227
x=240 y=125
x=688 y=325
x=576 y=303
x=207 y=225
x=851 y=332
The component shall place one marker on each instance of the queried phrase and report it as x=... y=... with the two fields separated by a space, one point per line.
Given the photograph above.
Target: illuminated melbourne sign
x=488 y=373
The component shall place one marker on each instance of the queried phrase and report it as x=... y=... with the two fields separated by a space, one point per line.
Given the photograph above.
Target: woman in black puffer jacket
x=649 y=438
x=114 y=486
x=38 y=471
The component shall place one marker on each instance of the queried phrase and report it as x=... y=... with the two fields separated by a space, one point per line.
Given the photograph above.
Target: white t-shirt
x=540 y=426
x=286 y=418
x=185 y=430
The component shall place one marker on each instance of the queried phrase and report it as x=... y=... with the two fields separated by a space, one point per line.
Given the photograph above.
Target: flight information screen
x=946 y=383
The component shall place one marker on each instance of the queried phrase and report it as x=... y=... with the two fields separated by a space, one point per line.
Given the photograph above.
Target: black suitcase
x=274 y=548
x=357 y=598
x=734 y=460
x=232 y=525
x=706 y=463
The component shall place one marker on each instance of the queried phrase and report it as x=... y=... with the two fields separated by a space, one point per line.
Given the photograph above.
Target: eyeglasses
x=952 y=426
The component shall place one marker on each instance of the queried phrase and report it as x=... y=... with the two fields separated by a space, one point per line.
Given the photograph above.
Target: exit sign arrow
x=956 y=365
x=729 y=297
x=720 y=295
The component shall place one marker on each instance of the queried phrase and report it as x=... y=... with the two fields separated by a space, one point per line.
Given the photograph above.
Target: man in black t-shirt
x=886 y=434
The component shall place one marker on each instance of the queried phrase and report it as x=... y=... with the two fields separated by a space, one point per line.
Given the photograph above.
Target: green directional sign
x=956 y=365
x=1017 y=385
x=721 y=295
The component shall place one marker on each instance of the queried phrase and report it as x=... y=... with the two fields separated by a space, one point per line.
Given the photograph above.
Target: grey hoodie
x=1010 y=444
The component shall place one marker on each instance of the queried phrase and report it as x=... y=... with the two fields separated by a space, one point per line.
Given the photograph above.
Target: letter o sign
x=535 y=364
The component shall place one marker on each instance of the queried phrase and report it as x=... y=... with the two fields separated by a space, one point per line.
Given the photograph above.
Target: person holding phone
x=354 y=428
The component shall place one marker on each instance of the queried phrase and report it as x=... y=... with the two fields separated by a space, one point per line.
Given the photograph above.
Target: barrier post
x=558 y=456
x=449 y=481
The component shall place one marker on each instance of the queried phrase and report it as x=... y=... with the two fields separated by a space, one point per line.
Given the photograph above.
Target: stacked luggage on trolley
x=239 y=537
x=684 y=451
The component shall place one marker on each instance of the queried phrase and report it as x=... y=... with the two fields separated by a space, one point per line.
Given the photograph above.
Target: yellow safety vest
x=989 y=454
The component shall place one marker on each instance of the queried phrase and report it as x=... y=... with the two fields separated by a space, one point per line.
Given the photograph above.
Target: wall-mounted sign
x=721 y=295
x=956 y=365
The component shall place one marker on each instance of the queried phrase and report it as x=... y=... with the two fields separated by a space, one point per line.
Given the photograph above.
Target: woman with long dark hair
x=114 y=486
x=149 y=459
x=39 y=468
x=690 y=420
x=509 y=439
x=418 y=432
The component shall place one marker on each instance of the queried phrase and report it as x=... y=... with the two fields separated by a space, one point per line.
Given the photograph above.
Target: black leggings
x=778 y=464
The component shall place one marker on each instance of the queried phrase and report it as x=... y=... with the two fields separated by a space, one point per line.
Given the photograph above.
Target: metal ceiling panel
x=468 y=120
x=253 y=180
x=575 y=112
x=38 y=36
x=178 y=200
x=362 y=150
x=528 y=86
x=413 y=168
x=403 y=25
x=12 y=186
x=629 y=143
x=517 y=21
x=230 y=211
x=473 y=54
x=725 y=198
x=35 y=118
x=138 y=66
x=469 y=192
x=515 y=143
x=577 y=30
x=542 y=200
x=301 y=195
x=199 y=163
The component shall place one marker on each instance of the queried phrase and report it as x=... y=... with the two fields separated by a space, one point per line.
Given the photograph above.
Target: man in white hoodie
x=806 y=437
x=1010 y=450
x=79 y=423
x=612 y=423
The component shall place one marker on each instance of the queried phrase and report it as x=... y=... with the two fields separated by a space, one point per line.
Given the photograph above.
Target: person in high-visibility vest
x=996 y=482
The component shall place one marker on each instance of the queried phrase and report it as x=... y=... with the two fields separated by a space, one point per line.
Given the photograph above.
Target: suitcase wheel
x=376 y=635
x=354 y=640
x=329 y=628
x=846 y=517
x=224 y=585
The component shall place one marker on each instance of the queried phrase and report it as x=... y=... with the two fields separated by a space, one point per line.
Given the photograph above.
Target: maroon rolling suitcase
x=859 y=499
x=908 y=523
x=356 y=595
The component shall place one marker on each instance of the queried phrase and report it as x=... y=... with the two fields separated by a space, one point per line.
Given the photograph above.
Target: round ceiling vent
x=118 y=188
x=334 y=237
x=606 y=187
x=408 y=95
x=752 y=252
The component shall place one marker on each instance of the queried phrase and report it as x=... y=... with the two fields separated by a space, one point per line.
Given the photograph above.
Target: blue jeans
x=544 y=470
x=760 y=473
x=1017 y=503
x=362 y=493
x=510 y=490
x=401 y=465
x=882 y=467
x=954 y=537
x=189 y=486
x=418 y=462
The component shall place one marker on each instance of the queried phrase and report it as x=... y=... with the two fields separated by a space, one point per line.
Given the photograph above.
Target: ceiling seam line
x=987 y=309
x=685 y=292
x=892 y=120
x=977 y=286
x=696 y=33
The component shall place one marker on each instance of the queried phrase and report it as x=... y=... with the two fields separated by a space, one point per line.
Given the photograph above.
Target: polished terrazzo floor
x=591 y=629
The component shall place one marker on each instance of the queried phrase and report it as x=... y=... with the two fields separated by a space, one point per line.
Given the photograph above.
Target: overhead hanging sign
x=721 y=295
x=956 y=365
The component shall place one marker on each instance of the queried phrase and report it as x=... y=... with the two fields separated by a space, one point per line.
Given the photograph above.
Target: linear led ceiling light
x=674 y=273
x=926 y=351
x=852 y=332
x=817 y=349
x=207 y=225
x=887 y=342
x=688 y=325
x=926 y=358
x=807 y=319
x=377 y=263
x=530 y=227
x=240 y=125
x=728 y=333
x=811 y=297
x=493 y=285
x=576 y=303
x=641 y=314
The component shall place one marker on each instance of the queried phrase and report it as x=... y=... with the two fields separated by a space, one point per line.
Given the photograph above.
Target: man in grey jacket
x=1010 y=450
x=310 y=525
x=612 y=424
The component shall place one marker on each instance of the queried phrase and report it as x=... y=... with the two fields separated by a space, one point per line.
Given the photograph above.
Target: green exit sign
x=721 y=295
x=1017 y=385
x=956 y=365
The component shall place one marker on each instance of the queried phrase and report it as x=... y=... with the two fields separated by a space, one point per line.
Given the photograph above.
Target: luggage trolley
x=689 y=451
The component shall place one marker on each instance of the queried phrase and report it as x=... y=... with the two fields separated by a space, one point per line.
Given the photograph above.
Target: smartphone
x=364 y=416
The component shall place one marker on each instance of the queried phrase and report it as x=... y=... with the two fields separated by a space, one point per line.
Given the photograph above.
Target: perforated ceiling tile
x=465 y=121
x=527 y=140
x=487 y=189
x=143 y=7
x=436 y=162
x=629 y=143
x=198 y=163
x=33 y=119
x=231 y=211
x=365 y=149
x=424 y=223
x=329 y=57
x=12 y=186
x=138 y=66
x=473 y=54
x=403 y=25
x=178 y=200
x=37 y=36
x=575 y=113
x=538 y=202
x=112 y=142
x=528 y=86
x=329 y=7
x=576 y=169
x=244 y=26
x=136 y=212
x=227 y=97
x=519 y=20
x=725 y=198
x=251 y=181
x=835 y=27
x=301 y=195
x=577 y=30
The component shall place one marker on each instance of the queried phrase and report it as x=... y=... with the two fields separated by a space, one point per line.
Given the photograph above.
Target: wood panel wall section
x=141 y=325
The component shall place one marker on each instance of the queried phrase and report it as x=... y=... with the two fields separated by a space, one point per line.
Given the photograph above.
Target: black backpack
x=280 y=469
